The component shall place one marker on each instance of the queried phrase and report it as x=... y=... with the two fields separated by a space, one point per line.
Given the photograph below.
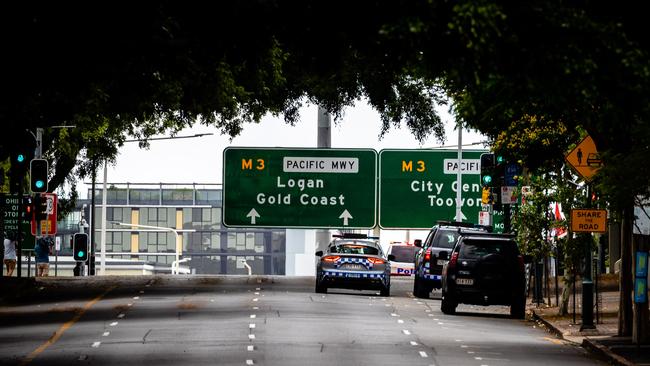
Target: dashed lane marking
x=255 y=308
x=250 y=348
x=413 y=343
x=423 y=354
x=255 y=299
x=251 y=326
x=113 y=324
x=136 y=297
x=120 y=316
x=96 y=344
x=406 y=332
x=400 y=321
x=250 y=362
x=393 y=314
x=253 y=316
x=59 y=332
x=251 y=336
x=106 y=334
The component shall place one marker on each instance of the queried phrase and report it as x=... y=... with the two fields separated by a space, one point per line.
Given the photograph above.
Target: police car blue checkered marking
x=354 y=274
x=433 y=277
x=363 y=261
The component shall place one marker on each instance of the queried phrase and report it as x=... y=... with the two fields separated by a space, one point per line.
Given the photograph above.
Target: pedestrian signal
x=80 y=247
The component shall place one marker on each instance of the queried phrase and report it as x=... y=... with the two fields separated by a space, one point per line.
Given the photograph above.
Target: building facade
x=194 y=212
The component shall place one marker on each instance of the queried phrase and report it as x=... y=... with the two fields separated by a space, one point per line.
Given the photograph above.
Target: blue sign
x=640 y=290
x=512 y=170
x=641 y=264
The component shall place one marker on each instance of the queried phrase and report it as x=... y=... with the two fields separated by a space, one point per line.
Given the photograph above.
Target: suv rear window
x=354 y=249
x=445 y=239
x=474 y=249
x=404 y=253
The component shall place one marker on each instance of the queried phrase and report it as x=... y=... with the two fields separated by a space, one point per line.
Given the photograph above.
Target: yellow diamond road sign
x=584 y=158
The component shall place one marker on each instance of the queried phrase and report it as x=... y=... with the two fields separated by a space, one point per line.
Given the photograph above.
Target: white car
x=403 y=264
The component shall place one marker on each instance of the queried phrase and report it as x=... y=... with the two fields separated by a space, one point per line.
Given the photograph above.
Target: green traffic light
x=500 y=159
x=80 y=253
x=487 y=179
x=40 y=184
x=20 y=158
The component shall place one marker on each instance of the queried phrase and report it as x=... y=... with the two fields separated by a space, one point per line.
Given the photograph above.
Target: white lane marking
x=430 y=314
x=255 y=308
x=251 y=336
x=250 y=348
x=393 y=314
x=440 y=323
x=113 y=324
x=249 y=362
x=257 y=289
x=387 y=305
x=257 y=293
x=129 y=304
x=120 y=316
x=136 y=297
x=147 y=285
x=400 y=321
x=423 y=354
x=211 y=300
x=259 y=281
x=463 y=346
x=427 y=311
x=96 y=344
x=255 y=299
x=253 y=316
x=413 y=343
x=405 y=331
x=459 y=340
x=436 y=319
x=142 y=291
x=478 y=358
x=420 y=303
x=470 y=352
x=251 y=326
x=106 y=334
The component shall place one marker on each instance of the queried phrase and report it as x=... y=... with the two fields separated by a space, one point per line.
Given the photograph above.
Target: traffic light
x=80 y=247
x=39 y=207
x=28 y=207
x=499 y=171
x=487 y=170
x=38 y=169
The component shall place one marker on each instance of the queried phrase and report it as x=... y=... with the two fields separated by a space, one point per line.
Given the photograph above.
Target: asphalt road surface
x=235 y=320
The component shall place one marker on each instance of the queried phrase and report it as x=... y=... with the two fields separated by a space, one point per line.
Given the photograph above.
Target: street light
x=102 y=265
x=178 y=235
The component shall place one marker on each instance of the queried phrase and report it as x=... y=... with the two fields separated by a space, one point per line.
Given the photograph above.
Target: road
x=222 y=320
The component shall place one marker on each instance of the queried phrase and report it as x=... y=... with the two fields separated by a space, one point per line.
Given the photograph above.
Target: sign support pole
x=587 y=283
x=459 y=174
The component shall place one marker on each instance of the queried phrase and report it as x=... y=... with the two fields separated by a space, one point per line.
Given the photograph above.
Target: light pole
x=178 y=235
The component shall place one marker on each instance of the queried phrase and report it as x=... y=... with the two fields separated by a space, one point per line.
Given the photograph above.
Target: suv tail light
x=331 y=258
x=453 y=260
x=522 y=266
x=427 y=255
x=376 y=260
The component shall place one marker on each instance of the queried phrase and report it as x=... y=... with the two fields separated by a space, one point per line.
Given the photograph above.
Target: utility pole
x=324 y=142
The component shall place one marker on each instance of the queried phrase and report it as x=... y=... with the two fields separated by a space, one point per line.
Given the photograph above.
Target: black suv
x=428 y=266
x=484 y=269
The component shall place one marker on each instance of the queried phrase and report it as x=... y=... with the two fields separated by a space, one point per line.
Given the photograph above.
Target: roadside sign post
x=299 y=188
x=419 y=187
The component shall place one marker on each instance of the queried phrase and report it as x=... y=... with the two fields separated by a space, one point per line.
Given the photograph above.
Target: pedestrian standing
x=42 y=254
x=10 y=255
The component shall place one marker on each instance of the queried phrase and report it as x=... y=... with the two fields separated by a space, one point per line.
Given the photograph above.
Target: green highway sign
x=418 y=187
x=299 y=188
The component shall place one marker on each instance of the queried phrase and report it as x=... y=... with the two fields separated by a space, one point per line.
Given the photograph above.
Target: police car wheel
x=320 y=288
x=385 y=291
x=448 y=305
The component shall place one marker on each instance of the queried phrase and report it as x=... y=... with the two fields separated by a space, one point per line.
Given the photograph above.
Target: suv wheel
x=419 y=289
x=448 y=304
x=518 y=307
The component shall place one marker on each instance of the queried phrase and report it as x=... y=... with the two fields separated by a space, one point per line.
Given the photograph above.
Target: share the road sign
x=418 y=187
x=299 y=188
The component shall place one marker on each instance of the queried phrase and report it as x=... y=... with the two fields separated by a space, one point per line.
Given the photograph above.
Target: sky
x=199 y=160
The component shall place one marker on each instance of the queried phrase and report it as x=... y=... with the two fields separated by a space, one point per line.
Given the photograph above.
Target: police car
x=353 y=261
x=404 y=254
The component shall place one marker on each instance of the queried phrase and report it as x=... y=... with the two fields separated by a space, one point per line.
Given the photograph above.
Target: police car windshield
x=446 y=239
x=354 y=248
x=404 y=253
